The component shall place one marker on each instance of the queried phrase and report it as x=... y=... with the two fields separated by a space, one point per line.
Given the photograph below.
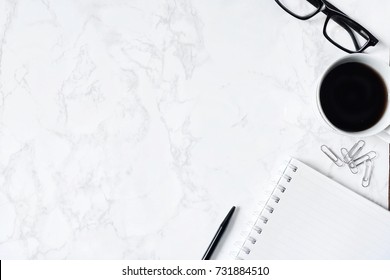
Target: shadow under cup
x=353 y=96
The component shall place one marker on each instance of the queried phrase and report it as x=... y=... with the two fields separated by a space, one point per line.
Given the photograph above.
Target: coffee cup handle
x=385 y=134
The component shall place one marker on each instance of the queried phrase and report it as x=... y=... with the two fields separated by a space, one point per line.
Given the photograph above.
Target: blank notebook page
x=310 y=216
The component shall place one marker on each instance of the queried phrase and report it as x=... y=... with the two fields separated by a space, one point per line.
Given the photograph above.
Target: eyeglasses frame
x=332 y=12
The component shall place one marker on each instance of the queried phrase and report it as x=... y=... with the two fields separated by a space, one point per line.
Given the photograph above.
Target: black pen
x=218 y=235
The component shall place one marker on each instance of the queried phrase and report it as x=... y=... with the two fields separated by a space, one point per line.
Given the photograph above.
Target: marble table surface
x=129 y=128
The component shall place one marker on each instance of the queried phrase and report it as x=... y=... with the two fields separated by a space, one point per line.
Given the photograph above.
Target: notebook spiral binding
x=264 y=216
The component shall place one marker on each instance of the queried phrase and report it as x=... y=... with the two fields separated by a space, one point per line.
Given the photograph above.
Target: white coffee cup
x=382 y=127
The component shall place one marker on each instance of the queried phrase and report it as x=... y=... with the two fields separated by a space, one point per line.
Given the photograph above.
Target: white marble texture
x=129 y=128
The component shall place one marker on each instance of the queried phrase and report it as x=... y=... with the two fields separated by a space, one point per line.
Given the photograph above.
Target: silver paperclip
x=367 y=173
x=351 y=164
x=355 y=150
x=344 y=153
x=363 y=158
x=333 y=157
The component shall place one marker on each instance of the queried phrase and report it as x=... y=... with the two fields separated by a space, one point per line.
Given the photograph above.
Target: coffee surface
x=353 y=96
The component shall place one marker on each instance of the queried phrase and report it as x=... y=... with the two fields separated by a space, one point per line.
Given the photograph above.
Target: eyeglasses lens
x=344 y=33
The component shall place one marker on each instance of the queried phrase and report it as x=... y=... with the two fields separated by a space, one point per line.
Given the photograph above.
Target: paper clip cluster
x=351 y=159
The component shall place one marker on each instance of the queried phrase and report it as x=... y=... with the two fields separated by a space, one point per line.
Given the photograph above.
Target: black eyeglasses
x=339 y=29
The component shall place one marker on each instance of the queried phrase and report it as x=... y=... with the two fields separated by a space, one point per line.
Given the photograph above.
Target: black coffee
x=353 y=96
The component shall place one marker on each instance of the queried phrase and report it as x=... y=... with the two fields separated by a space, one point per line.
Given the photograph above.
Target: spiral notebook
x=310 y=216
